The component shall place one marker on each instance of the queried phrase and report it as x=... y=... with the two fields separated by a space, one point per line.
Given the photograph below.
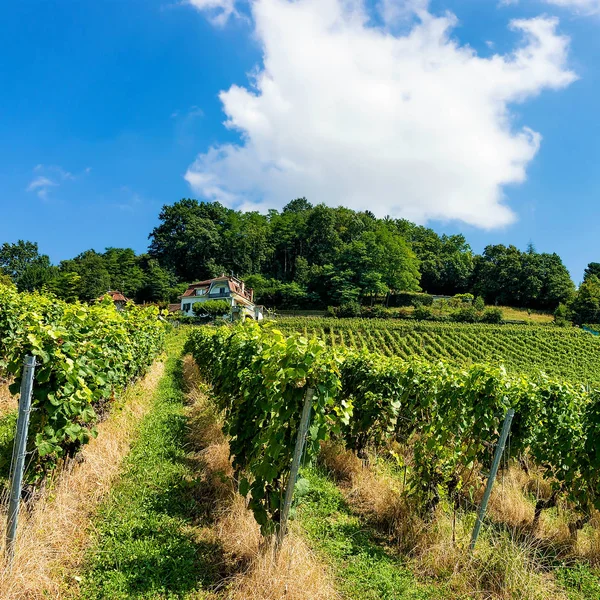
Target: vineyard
x=86 y=355
x=564 y=353
x=448 y=416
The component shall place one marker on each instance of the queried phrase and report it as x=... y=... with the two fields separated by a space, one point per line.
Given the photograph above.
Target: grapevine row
x=85 y=354
x=449 y=416
x=568 y=354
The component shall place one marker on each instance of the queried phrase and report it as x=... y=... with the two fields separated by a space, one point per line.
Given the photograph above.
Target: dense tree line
x=301 y=256
x=90 y=274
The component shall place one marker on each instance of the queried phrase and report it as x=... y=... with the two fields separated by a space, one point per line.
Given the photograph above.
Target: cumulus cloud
x=220 y=10
x=412 y=125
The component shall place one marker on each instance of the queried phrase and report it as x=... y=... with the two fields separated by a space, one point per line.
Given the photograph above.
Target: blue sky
x=110 y=110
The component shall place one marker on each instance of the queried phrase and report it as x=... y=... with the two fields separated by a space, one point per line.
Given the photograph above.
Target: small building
x=226 y=287
x=119 y=299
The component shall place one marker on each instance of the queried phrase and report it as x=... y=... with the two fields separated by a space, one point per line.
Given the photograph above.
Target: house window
x=200 y=292
x=186 y=307
x=222 y=291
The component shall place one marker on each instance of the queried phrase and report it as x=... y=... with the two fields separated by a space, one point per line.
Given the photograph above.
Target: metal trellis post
x=289 y=492
x=494 y=470
x=19 y=454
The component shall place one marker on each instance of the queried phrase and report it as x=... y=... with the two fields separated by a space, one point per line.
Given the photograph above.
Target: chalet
x=119 y=299
x=226 y=287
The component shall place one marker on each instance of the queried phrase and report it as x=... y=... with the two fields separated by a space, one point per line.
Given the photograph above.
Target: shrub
x=212 y=308
x=423 y=313
x=350 y=309
x=465 y=298
x=492 y=315
x=332 y=311
x=468 y=314
x=381 y=312
x=408 y=299
x=479 y=304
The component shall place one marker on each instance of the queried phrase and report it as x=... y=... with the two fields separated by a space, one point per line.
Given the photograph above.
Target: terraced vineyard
x=565 y=353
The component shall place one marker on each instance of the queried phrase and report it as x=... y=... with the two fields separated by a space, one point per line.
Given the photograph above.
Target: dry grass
x=8 y=402
x=508 y=564
x=376 y=496
x=53 y=535
x=508 y=503
x=255 y=573
x=522 y=314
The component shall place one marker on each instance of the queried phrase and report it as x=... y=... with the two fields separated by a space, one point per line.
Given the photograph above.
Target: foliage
x=450 y=416
x=260 y=379
x=410 y=299
x=86 y=355
x=566 y=353
x=593 y=269
x=25 y=266
x=300 y=257
x=91 y=274
x=350 y=309
x=585 y=308
x=212 y=308
x=507 y=276
x=422 y=312
x=493 y=315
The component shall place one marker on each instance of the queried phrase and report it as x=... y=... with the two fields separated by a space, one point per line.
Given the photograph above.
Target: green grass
x=581 y=582
x=146 y=544
x=365 y=568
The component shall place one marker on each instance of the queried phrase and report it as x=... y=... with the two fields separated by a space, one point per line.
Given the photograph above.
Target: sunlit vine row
x=449 y=416
x=567 y=353
x=85 y=354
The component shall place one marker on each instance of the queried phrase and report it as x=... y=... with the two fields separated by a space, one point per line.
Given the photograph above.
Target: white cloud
x=393 y=11
x=412 y=125
x=41 y=185
x=220 y=10
x=50 y=176
x=583 y=6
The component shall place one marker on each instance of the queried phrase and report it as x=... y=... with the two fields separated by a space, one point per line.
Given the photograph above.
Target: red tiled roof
x=191 y=291
x=116 y=296
x=174 y=307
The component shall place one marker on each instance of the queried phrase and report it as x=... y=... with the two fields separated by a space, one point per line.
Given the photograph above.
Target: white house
x=228 y=288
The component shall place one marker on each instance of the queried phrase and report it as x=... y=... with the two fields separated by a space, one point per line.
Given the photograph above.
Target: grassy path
x=151 y=532
x=146 y=544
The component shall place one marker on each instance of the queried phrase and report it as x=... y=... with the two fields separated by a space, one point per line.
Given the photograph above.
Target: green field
x=566 y=353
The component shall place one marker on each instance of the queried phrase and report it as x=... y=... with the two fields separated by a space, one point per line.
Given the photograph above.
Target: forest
x=306 y=256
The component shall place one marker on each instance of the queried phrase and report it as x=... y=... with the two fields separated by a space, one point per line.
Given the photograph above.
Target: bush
x=212 y=308
x=468 y=314
x=381 y=312
x=349 y=309
x=465 y=298
x=492 y=315
x=409 y=298
x=479 y=304
x=332 y=311
x=423 y=313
